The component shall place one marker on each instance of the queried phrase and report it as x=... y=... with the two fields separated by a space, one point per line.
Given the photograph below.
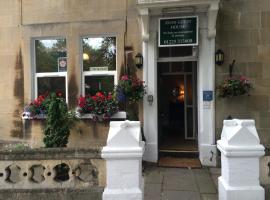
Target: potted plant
x=100 y=106
x=37 y=108
x=129 y=91
x=234 y=86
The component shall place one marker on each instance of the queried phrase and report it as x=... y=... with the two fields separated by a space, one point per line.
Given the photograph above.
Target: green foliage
x=46 y=57
x=130 y=89
x=105 y=55
x=21 y=146
x=235 y=86
x=58 y=122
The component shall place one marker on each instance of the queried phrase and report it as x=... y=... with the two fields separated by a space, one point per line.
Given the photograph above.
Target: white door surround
x=150 y=11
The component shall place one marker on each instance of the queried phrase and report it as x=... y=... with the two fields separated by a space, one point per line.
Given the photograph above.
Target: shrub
x=58 y=122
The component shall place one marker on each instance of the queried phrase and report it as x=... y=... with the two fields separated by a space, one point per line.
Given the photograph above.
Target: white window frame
x=98 y=73
x=47 y=74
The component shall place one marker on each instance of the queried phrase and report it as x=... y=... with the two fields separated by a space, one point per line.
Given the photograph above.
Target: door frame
x=205 y=82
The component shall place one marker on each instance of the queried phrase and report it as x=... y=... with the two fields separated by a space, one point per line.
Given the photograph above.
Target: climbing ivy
x=59 y=121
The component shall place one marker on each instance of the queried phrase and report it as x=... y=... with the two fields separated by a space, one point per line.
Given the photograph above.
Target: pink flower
x=124 y=78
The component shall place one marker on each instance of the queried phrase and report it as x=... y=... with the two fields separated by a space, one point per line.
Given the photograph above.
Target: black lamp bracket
x=231 y=66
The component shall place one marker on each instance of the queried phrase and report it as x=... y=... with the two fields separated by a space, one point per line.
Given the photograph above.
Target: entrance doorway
x=177 y=101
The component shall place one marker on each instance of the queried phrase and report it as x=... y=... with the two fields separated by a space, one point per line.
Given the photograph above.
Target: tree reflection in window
x=47 y=53
x=50 y=66
x=101 y=52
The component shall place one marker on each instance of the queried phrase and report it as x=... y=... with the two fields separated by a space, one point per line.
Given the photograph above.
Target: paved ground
x=180 y=184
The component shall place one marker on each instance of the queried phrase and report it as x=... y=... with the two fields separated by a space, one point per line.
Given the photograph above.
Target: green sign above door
x=180 y=31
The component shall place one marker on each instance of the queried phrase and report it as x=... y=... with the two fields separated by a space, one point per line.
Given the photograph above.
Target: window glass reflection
x=94 y=84
x=99 y=54
x=51 y=55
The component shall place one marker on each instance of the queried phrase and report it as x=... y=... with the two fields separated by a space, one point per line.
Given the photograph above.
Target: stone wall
x=22 y=20
x=52 y=174
x=84 y=134
x=243 y=29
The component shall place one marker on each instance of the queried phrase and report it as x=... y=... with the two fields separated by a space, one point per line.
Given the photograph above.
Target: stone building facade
x=239 y=27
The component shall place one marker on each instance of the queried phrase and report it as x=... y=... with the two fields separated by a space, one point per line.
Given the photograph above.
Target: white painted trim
x=150 y=110
x=178 y=59
x=209 y=6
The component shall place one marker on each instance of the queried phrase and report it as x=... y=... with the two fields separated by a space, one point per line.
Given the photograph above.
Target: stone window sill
x=121 y=115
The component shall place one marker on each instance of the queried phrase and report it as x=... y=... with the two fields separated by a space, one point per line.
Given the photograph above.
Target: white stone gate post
x=123 y=155
x=240 y=152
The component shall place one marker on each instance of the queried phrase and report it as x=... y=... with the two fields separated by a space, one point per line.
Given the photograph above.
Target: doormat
x=179 y=162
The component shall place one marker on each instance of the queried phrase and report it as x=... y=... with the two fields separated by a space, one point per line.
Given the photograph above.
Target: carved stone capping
x=240 y=153
x=86 y=172
x=37 y=173
x=13 y=174
x=123 y=155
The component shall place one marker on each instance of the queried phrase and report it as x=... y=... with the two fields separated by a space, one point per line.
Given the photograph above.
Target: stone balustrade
x=52 y=169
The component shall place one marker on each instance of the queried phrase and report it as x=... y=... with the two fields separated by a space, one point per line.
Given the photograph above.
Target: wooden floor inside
x=178 y=143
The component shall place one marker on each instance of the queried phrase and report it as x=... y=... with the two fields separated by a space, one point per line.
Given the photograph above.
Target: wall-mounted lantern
x=139 y=60
x=219 y=57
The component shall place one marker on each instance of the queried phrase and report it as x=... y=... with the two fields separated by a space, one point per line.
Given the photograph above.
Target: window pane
x=51 y=84
x=175 y=51
x=164 y=67
x=51 y=55
x=99 y=54
x=94 y=84
x=177 y=67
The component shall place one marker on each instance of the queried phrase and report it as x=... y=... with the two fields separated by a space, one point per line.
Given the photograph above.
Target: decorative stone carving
x=37 y=173
x=86 y=172
x=13 y=173
x=61 y=172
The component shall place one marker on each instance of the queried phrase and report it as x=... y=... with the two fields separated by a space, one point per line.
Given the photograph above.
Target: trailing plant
x=234 y=86
x=130 y=89
x=38 y=106
x=101 y=106
x=58 y=122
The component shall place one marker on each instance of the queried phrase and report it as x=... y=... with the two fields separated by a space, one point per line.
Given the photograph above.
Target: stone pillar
x=123 y=155
x=240 y=152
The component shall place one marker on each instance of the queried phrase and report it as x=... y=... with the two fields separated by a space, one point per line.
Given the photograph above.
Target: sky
x=93 y=42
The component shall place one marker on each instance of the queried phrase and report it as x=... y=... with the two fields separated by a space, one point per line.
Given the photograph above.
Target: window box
x=121 y=115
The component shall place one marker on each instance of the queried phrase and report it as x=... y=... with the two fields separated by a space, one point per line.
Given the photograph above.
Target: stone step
x=180 y=154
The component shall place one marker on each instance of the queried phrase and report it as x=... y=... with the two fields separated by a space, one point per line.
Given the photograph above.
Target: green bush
x=59 y=121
